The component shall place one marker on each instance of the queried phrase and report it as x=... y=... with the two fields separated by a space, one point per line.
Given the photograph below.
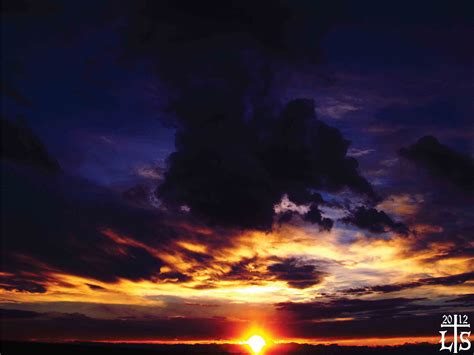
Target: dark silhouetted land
x=22 y=348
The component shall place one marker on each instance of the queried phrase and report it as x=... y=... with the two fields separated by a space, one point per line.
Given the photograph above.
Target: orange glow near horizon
x=235 y=282
x=368 y=260
x=369 y=342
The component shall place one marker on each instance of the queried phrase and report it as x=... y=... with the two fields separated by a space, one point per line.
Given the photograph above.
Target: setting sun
x=256 y=343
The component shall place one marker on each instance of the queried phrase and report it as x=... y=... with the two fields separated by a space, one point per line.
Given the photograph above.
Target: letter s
x=464 y=341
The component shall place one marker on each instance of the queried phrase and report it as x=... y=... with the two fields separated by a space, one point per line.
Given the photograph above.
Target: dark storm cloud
x=231 y=173
x=66 y=236
x=374 y=221
x=444 y=281
x=296 y=274
x=284 y=28
x=21 y=145
x=442 y=162
x=237 y=153
x=58 y=223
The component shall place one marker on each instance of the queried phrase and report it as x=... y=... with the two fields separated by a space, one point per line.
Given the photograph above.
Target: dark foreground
x=17 y=348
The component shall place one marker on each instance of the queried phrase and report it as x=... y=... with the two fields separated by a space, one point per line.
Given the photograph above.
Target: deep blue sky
x=101 y=114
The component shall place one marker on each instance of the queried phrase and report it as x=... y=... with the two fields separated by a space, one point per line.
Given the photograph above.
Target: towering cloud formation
x=237 y=152
x=231 y=172
x=237 y=155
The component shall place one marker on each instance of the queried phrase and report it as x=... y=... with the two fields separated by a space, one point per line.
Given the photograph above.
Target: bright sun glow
x=256 y=343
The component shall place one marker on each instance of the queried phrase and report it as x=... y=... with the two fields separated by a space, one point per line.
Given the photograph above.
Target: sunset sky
x=177 y=170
